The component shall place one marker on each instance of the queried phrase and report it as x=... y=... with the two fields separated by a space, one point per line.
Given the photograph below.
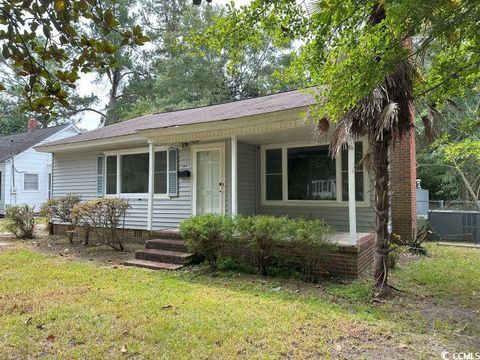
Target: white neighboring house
x=31 y=183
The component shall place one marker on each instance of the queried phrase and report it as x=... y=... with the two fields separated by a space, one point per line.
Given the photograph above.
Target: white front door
x=209 y=182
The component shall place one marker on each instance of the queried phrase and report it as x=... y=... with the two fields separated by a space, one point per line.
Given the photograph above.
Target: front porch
x=267 y=166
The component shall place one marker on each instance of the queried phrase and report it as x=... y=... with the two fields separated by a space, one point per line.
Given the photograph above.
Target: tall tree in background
x=181 y=70
x=449 y=167
x=365 y=59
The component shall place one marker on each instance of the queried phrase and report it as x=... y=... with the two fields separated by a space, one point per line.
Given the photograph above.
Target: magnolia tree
x=369 y=61
x=47 y=44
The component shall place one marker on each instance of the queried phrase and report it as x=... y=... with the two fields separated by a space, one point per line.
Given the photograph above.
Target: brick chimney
x=32 y=124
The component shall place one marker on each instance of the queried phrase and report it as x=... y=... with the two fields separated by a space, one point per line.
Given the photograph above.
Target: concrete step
x=165 y=234
x=166 y=244
x=167 y=256
x=154 y=265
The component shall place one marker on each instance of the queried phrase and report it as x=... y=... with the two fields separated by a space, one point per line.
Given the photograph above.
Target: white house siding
x=75 y=173
x=168 y=213
x=28 y=162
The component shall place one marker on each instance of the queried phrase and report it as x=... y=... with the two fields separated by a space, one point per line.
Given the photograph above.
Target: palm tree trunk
x=380 y=168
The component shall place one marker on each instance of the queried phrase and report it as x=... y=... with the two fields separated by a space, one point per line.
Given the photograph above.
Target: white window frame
x=118 y=154
x=38 y=182
x=326 y=203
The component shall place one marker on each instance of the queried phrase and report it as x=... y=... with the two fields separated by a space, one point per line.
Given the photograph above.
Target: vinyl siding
x=168 y=213
x=75 y=173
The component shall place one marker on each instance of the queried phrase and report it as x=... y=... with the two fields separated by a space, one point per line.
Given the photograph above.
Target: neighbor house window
x=133 y=173
x=111 y=174
x=273 y=174
x=359 y=194
x=311 y=174
x=30 y=182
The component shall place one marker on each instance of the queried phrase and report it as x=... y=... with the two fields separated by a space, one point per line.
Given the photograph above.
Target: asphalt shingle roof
x=226 y=111
x=24 y=141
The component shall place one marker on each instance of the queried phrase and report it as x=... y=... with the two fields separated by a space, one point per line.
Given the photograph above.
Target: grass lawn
x=54 y=306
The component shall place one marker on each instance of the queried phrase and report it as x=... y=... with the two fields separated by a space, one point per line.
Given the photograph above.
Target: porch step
x=165 y=234
x=166 y=244
x=154 y=265
x=167 y=256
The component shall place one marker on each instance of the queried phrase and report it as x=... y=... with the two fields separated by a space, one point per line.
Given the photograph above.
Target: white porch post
x=234 y=174
x=352 y=216
x=151 y=191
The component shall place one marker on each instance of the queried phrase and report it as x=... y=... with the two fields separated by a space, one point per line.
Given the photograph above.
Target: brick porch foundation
x=344 y=261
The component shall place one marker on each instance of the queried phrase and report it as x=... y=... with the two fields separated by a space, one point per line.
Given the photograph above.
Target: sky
x=85 y=86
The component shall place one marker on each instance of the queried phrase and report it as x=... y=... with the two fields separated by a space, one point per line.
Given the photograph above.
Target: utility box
x=455 y=225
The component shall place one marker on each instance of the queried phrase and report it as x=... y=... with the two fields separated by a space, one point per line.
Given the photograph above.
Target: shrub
x=20 y=221
x=311 y=239
x=61 y=209
x=103 y=218
x=261 y=233
x=205 y=235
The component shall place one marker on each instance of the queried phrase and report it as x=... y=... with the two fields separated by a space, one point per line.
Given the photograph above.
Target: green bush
x=311 y=239
x=104 y=218
x=20 y=221
x=61 y=209
x=261 y=233
x=205 y=235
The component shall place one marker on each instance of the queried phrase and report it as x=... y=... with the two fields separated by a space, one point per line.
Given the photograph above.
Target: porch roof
x=221 y=112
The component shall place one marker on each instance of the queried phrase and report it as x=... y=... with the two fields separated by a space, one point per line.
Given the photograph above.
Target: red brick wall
x=403 y=178
x=345 y=260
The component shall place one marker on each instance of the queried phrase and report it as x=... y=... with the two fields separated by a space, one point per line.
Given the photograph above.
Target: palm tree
x=384 y=117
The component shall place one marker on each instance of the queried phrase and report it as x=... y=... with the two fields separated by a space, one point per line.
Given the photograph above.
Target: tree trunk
x=380 y=167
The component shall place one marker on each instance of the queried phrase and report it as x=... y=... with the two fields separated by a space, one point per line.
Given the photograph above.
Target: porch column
x=352 y=216
x=234 y=174
x=151 y=191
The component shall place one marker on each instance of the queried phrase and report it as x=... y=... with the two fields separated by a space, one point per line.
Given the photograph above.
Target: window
x=30 y=182
x=160 y=178
x=359 y=195
x=273 y=175
x=311 y=174
x=133 y=173
x=111 y=174
x=308 y=173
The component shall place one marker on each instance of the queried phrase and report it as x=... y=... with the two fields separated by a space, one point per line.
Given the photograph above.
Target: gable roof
x=26 y=140
x=221 y=112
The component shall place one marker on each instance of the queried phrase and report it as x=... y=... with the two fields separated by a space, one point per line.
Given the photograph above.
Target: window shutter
x=172 y=172
x=100 y=170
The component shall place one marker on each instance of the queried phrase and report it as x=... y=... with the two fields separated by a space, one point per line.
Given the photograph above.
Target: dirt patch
x=61 y=246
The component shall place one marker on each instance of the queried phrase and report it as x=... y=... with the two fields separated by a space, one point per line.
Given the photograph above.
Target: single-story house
x=248 y=157
x=25 y=174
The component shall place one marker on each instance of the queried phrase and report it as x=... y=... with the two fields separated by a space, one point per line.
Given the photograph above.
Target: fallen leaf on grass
x=125 y=332
x=50 y=338
x=168 y=306
x=28 y=321
x=123 y=350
